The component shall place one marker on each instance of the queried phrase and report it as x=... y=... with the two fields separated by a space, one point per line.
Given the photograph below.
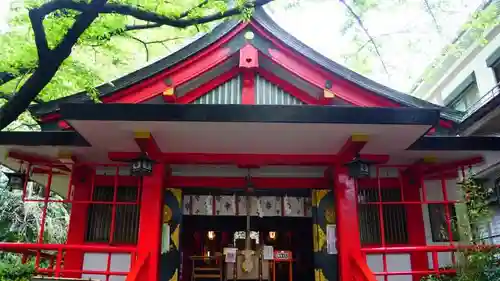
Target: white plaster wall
x=120 y=262
x=434 y=192
x=395 y=263
x=474 y=61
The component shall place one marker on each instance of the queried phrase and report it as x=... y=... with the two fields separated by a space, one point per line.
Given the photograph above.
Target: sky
x=406 y=34
x=4 y=10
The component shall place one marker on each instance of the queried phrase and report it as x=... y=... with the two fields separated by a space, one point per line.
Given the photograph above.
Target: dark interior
x=290 y=233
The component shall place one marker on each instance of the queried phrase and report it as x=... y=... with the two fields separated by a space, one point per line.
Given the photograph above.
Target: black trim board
x=250 y=113
x=453 y=143
x=43 y=139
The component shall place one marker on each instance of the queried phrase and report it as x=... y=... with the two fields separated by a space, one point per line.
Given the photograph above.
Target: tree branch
x=148 y=16
x=36 y=18
x=9 y=76
x=365 y=30
x=8 y=97
x=83 y=21
x=48 y=66
x=51 y=59
x=144 y=44
x=200 y=5
x=434 y=19
x=141 y=26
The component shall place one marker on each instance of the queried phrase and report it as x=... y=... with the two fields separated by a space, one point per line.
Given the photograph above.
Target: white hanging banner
x=260 y=211
x=331 y=239
x=165 y=240
x=209 y=205
x=287 y=205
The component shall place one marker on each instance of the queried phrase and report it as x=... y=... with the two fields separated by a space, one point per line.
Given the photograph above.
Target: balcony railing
x=484 y=99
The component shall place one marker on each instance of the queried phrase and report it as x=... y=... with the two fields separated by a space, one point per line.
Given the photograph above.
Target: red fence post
x=150 y=222
x=81 y=179
x=347 y=221
x=415 y=221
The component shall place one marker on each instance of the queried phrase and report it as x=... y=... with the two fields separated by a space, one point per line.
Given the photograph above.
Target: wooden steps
x=200 y=276
x=206 y=268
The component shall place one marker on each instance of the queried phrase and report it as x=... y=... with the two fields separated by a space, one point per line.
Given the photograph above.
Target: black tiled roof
x=261 y=17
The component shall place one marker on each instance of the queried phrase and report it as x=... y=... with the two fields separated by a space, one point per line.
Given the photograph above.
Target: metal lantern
x=249 y=183
x=142 y=166
x=358 y=168
x=16 y=180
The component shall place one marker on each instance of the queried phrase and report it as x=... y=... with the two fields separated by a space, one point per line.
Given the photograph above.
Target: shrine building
x=246 y=155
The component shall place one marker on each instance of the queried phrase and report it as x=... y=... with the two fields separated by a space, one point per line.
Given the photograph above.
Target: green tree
x=41 y=56
x=477 y=262
x=21 y=221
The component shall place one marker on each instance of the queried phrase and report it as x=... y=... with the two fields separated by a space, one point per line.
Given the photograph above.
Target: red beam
x=318 y=76
x=178 y=74
x=246 y=159
x=248 y=89
x=207 y=87
x=351 y=148
x=37 y=159
x=169 y=94
x=147 y=144
x=234 y=182
x=437 y=169
x=46 y=171
x=289 y=88
x=249 y=57
x=156 y=85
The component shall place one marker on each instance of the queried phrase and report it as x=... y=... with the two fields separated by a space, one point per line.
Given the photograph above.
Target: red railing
x=361 y=270
x=57 y=269
x=67 y=260
x=418 y=188
x=137 y=269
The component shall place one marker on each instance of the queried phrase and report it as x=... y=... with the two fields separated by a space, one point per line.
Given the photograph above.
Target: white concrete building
x=470 y=83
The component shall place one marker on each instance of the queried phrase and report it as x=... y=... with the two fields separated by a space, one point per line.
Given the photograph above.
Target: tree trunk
x=28 y=92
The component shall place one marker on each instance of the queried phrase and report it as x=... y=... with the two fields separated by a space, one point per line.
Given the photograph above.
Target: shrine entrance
x=215 y=246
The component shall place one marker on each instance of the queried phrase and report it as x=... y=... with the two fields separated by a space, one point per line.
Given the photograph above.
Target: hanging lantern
x=249 y=183
x=358 y=168
x=142 y=166
x=16 y=180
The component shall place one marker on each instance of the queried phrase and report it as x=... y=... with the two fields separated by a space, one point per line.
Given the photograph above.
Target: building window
x=439 y=224
x=496 y=69
x=466 y=98
x=394 y=217
x=100 y=215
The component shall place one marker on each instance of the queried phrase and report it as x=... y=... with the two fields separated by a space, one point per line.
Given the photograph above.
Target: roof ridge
x=263 y=18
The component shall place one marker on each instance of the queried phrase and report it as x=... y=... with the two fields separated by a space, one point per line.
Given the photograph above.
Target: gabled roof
x=261 y=18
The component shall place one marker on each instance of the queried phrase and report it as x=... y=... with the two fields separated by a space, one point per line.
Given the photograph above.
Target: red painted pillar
x=150 y=222
x=349 y=243
x=415 y=222
x=82 y=182
x=248 y=90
